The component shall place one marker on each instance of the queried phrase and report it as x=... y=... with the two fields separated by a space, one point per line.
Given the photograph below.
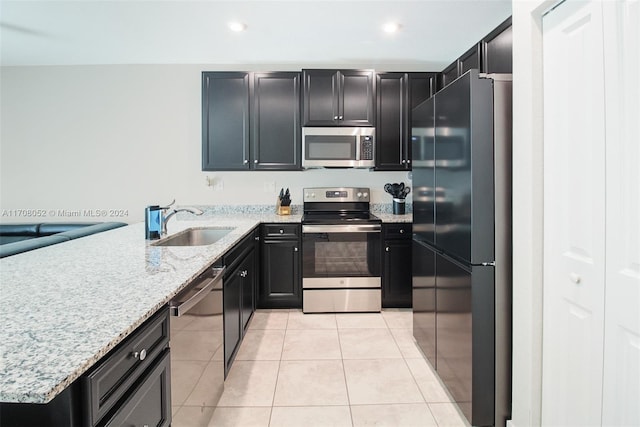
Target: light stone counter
x=65 y=306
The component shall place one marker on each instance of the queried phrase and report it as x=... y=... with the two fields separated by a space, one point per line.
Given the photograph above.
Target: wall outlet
x=269 y=187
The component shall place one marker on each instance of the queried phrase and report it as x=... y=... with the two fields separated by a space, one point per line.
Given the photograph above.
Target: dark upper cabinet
x=338 y=98
x=470 y=59
x=449 y=74
x=225 y=120
x=275 y=132
x=396 y=270
x=497 y=49
x=396 y=95
x=251 y=121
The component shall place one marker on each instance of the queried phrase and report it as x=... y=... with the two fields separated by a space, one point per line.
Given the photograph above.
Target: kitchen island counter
x=68 y=305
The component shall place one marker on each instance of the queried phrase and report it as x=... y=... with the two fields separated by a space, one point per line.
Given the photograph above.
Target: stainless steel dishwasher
x=197 y=348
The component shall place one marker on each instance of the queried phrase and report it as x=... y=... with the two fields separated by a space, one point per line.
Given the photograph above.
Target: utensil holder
x=398 y=206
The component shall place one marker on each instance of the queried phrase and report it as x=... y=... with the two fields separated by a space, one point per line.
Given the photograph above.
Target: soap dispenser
x=152 y=222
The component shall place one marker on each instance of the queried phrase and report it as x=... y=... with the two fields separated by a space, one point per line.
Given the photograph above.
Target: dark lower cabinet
x=131 y=385
x=281 y=284
x=150 y=402
x=238 y=295
x=397 y=266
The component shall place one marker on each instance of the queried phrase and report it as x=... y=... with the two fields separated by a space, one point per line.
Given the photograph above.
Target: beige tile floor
x=296 y=369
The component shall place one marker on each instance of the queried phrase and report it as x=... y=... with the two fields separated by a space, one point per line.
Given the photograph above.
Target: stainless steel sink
x=201 y=236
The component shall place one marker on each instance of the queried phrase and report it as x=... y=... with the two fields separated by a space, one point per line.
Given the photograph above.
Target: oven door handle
x=178 y=307
x=341 y=228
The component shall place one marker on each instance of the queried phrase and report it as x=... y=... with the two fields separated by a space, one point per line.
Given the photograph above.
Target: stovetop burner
x=339 y=217
x=337 y=205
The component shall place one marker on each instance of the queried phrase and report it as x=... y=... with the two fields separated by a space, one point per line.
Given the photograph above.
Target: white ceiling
x=302 y=32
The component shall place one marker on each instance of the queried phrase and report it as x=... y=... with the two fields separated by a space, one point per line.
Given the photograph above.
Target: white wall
x=527 y=211
x=123 y=137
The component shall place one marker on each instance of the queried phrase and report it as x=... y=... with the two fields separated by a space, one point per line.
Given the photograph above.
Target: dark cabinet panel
x=396 y=273
x=391 y=109
x=239 y=295
x=449 y=74
x=248 y=274
x=281 y=280
x=338 y=98
x=396 y=95
x=232 y=317
x=275 y=134
x=470 y=59
x=150 y=402
x=497 y=49
x=225 y=121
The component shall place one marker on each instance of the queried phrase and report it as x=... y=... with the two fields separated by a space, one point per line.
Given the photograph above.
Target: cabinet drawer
x=149 y=403
x=112 y=377
x=398 y=231
x=280 y=231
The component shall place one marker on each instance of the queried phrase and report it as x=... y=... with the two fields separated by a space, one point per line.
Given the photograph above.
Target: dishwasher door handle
x=179 y=308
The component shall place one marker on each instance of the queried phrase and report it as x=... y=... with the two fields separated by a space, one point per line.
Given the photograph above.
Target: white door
x=621 y=393
x=574 y=220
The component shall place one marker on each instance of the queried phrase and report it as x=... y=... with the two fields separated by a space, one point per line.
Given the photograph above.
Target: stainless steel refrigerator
x=461 y=144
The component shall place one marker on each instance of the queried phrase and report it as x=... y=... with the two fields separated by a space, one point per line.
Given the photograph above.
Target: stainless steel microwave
x=346 y=147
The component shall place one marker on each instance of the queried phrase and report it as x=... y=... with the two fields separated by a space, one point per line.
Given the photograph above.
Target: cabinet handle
x=295 y=249
x=245 y=161
x=257 y=238
x=386 y=249
x=404 y=161
x=402 y=231
x=255 y=161
x=281 y=231
x=141 y=355
x=408 y=161
x=340 y=118
x=335 y=117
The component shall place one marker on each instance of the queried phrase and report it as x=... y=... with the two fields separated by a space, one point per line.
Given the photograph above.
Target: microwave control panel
x=366 y=147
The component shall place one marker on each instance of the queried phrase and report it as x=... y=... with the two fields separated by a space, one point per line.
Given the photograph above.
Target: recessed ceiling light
x=391 y=27
x=237 y=26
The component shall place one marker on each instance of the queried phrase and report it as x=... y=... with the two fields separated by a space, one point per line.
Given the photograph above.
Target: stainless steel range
x=341 y=248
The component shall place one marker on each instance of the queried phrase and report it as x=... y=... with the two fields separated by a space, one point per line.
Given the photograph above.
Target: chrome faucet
x=168 y=214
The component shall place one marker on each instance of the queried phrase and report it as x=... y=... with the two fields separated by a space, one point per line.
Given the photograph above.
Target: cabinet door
x=281 y=281
x=275 y=136
x=320 y=98
x=356 y=101
x=497 y=49
x=470 y=59
x=449 y=74
x=248 y=273
x=396 y=281
x=225 y=121
x=150 y=401
x=232 y=316
x=391 y=132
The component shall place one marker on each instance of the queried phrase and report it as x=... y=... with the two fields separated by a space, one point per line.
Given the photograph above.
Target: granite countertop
x=65 y=306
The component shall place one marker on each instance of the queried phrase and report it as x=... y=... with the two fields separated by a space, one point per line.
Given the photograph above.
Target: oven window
x=330 y=147
x=341 y=255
